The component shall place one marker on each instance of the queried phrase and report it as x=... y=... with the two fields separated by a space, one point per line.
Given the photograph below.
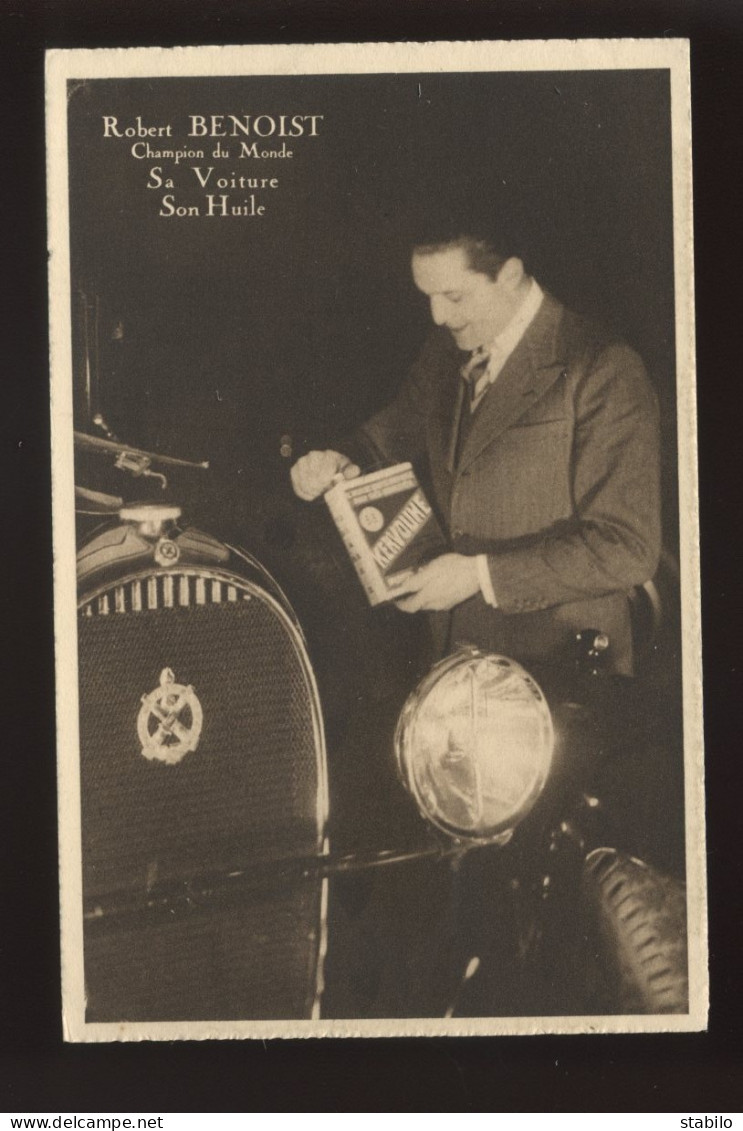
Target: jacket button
x=457 y=533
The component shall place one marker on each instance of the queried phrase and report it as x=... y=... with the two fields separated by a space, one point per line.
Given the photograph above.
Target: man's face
x=473 y=307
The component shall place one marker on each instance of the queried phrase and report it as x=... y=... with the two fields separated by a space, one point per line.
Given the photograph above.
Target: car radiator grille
x=252 y=792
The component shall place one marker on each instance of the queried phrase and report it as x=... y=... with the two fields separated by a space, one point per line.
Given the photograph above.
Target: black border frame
x=680 y=1072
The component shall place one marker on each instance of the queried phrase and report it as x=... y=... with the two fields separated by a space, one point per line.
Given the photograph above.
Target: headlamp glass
x=474 y=745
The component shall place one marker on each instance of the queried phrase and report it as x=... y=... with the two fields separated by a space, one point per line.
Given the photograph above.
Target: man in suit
x=540 y=436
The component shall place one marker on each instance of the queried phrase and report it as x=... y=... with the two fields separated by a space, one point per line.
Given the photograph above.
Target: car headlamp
x=474 y=745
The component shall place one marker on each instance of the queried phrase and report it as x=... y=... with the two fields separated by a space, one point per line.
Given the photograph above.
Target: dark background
x=695 y=1072
x=217 y=335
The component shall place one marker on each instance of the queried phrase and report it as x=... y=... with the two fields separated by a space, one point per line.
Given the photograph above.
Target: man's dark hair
x=482 y=256
x=486 y=227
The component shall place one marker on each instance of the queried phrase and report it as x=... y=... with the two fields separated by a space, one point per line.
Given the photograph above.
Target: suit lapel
x=453 y=424
x=449 y=399
x=528 y=373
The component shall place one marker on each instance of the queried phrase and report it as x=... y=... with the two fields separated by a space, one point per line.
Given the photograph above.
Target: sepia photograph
x=376 y=540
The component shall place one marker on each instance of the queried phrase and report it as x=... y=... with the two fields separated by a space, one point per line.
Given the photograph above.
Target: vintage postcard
x=472 y=802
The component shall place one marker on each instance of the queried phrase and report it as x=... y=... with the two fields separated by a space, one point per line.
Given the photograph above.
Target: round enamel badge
x=371 y=519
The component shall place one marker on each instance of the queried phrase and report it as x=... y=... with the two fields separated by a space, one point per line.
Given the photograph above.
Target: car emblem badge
x=169 y=721
x=166 y=552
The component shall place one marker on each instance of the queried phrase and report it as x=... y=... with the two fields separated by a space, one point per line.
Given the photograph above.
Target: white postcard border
x=333 y=59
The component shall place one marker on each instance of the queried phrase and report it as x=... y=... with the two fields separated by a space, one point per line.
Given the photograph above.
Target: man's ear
x=511 y=273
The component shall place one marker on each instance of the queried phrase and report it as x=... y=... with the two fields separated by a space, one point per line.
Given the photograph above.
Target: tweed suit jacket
x=557 y=482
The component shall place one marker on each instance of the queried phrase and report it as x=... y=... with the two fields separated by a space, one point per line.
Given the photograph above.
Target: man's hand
x=441 y=584
x=314 y=473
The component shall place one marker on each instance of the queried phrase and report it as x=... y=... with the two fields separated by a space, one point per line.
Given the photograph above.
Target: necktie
x=473 y=372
